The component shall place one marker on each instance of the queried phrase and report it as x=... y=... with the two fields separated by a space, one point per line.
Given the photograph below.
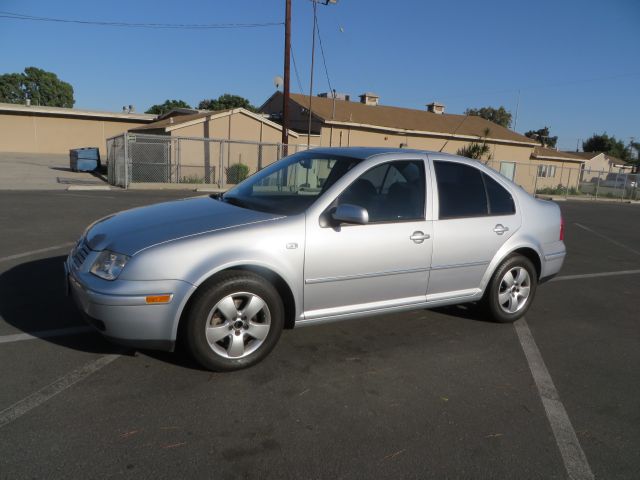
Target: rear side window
x=461 y=191
x=465 y=191
x=500 y=200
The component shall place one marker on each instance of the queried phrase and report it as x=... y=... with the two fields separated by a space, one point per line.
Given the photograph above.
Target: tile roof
x=173 y=121
x=74 y=112
x=544 y=152
x=406 y=119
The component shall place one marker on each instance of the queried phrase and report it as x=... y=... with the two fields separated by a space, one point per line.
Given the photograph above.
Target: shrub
x=237 y=172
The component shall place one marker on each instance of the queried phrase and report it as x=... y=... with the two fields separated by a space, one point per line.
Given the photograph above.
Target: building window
x=508 y=169
x=547 y=171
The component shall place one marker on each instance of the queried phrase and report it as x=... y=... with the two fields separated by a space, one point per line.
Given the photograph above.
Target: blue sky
x=576 y=63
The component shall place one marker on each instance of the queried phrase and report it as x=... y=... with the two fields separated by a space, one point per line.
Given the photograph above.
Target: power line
x=184 y=26
x=295 y=69
x=324 y=60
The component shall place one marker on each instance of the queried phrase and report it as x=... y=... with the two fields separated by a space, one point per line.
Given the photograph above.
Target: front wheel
x=234 y=322
x=511 y=289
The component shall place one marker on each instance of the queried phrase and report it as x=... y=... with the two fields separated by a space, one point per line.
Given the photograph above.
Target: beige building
x=33 y=129
x=341 y=122
x=554 y=167
x=601 y=162
x=367 y=123
x=213 y=140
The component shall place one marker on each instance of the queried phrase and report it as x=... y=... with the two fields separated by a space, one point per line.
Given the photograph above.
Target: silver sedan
x=319 y=236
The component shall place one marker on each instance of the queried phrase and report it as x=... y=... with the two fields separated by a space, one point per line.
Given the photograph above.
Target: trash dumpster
x=84 y=159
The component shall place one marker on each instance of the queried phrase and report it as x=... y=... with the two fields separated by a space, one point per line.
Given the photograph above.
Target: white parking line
x=61 y=332
x=594 y=275
x=575 y=461
x=35 y=252
x=615 y=242
x=34 y=400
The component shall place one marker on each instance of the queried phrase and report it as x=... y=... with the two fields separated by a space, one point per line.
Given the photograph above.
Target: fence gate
x=150 y=159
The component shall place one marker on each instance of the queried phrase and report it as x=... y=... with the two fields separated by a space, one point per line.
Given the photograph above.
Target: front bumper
x=119 y=311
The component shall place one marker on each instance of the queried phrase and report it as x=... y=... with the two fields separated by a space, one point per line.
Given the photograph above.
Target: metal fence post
x=125 y=183
x=597 y=185
x=221 y=162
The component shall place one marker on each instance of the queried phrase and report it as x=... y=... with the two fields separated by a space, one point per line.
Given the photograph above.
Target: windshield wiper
x=234 y=201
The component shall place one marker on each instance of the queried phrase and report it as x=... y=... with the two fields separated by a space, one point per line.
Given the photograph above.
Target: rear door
x=475 y=216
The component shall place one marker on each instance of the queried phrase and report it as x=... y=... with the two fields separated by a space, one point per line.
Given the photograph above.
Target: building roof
x=174 y=121
x=545 y=153
x=610 y=158
x=174 y=112
x=585 y=155
x=181 y=121
x=406 y=120
x=73 y=112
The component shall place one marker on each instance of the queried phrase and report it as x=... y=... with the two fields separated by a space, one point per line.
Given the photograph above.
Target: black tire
x=499 y=312
x=238 y=285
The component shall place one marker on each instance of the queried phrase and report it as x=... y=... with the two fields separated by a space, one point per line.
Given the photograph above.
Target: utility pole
x=515 y=122
x=313 y=52
x=286 y=91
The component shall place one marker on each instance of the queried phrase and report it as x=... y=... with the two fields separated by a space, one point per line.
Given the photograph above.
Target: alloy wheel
x=237 y=325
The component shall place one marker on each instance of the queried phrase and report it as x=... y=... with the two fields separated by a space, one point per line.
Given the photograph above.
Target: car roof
x=363 y=152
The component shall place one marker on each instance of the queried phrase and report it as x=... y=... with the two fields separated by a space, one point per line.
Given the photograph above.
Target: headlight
x=108 y=265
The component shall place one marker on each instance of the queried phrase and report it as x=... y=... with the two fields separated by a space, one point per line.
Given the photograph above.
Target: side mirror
x=347 y=213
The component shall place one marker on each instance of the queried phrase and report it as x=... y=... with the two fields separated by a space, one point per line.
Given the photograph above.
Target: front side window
x=390 y=192
x=291 y=185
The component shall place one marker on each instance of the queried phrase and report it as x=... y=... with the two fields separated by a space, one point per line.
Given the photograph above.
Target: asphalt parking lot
x=429 y=394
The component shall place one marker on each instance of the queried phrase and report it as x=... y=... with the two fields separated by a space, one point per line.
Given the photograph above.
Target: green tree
x=607 y=144
x=542 y=135
x=40 y=86
x=167 y=106
x=496 y=115
x=226 y=102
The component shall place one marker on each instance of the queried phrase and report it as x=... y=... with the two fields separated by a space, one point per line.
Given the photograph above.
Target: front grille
x=80 y=254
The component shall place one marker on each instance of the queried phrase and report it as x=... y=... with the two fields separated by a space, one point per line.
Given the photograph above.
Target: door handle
x=419 y=237
x=500 y=229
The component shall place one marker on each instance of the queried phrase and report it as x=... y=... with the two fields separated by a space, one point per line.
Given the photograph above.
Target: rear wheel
x=511 y=289
x=234 y=322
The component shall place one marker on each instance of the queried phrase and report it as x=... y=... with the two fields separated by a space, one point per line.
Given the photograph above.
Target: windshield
x=292 y=184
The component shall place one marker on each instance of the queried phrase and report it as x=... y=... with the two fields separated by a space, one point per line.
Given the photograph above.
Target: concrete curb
x=82 y=188
x=191 y=187
x=586 y=199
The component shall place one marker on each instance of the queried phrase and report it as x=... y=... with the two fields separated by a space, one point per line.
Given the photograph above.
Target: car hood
x=133 y=230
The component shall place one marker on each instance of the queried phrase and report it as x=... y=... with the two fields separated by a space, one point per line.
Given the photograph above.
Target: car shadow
x=33 y=299
x=468 y=311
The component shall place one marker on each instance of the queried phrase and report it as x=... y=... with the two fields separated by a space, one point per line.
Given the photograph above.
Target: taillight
x=561 y=228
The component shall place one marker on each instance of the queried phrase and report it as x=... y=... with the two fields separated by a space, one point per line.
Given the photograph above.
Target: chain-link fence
x=560 y=180
x=142 y=158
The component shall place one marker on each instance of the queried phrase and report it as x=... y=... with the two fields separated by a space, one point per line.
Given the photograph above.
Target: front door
x=383 y=263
